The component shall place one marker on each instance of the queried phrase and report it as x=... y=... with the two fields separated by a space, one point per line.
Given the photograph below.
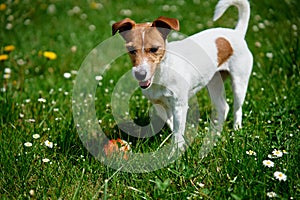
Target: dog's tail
x=243 y=9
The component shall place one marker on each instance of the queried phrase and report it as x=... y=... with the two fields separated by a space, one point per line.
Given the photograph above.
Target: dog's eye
x=153 y=49
x=131 y=50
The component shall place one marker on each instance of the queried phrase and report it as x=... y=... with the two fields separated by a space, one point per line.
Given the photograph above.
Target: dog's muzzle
x=141 y=74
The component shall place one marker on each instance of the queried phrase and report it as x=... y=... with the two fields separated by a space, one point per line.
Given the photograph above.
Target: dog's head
x=146 y=44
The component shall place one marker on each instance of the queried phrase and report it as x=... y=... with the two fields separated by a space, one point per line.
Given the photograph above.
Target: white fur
x=182 y=80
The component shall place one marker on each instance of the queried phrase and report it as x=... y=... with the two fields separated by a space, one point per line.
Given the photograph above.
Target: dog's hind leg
x=239 y=87
x=217 y=94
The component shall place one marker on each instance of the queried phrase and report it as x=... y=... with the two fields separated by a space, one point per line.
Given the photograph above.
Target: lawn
x=42 y=47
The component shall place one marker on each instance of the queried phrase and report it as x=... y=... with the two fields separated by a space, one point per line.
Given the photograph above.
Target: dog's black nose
x=140 y=75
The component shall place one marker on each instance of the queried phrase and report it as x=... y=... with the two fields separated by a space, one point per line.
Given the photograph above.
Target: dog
x=170 y=81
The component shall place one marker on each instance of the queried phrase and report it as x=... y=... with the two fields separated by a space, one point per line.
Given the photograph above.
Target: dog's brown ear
x=124 y=25
x=165 y=25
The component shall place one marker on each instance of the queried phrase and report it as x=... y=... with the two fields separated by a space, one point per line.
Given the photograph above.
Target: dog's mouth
x=145 y=84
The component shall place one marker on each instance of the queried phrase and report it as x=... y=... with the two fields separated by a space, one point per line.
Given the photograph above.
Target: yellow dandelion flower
x=50 y=55
x=3 y=57
x=2 y=6
x=40 y=53
x=95 y=5
x=9 y=48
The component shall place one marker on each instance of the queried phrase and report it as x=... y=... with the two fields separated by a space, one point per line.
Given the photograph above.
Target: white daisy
x=7 y=70
x=277 y=153
x=32 y=193
x=45 y=160
x=28 y=144
x=36 y=136
x=67 y=75
x=41 y=100
x=271 y=194
x=31 y=120
x=280 y=176
x=49 y=144
x=6 y=76
x=268 y=163
x=251 y=153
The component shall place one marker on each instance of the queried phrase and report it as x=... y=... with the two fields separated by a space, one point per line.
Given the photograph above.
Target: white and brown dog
x=154 y=62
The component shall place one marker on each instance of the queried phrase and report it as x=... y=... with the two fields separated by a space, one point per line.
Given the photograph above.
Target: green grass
x=271 y=110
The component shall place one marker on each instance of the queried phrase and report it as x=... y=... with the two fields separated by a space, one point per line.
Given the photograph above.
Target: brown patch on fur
x=224 y=50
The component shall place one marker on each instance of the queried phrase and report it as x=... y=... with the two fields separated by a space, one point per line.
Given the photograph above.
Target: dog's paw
x=237 y=126
x=177 y=149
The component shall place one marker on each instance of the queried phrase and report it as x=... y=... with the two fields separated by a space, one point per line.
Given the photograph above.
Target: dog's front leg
x=179 y=119
x=165 y=113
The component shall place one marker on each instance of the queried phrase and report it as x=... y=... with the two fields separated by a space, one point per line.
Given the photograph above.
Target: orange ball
x=117 y=146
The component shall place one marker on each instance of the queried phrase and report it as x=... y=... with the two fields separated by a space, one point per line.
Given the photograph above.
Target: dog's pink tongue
x=144 y=84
